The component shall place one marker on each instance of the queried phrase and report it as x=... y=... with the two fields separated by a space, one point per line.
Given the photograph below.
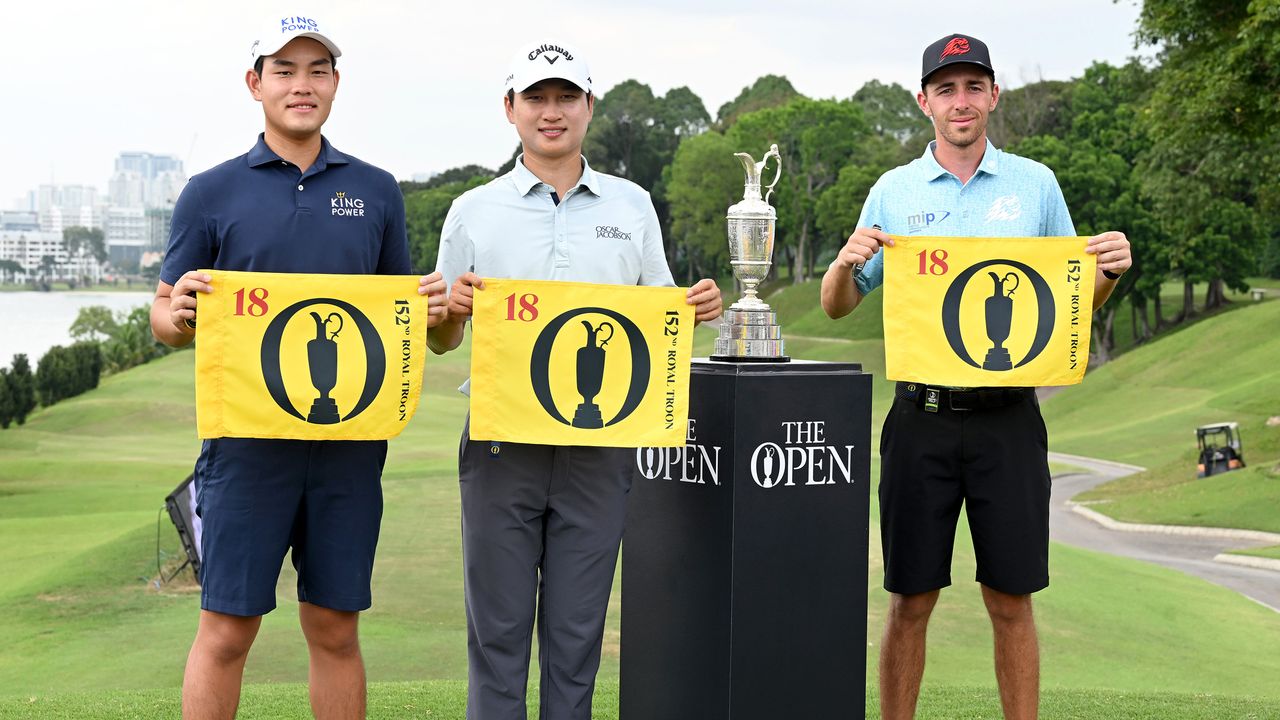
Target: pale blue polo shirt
x=1009 y=196
x=604 y=230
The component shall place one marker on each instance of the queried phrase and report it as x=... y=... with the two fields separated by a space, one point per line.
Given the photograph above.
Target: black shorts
x=995 y=462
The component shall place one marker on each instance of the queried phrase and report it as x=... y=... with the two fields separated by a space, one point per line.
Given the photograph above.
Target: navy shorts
x=260 y=498
x=994 y=461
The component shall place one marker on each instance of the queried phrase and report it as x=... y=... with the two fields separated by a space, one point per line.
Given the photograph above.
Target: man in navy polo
x=944 y=447
x=293 y=203
x=541 y=524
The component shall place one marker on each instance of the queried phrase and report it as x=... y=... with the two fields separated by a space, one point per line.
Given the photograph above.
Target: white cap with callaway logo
x=541 y=60
x=279 y=31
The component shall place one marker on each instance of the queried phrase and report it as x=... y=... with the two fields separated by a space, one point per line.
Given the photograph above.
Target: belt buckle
x=951 y=402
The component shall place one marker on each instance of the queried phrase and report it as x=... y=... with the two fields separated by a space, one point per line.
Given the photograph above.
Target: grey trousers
x=540 y=531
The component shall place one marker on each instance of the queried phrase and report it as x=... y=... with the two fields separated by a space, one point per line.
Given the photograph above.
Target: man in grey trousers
x=541 y=524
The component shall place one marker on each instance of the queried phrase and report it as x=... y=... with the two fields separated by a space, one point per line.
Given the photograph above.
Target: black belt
x=933 y=397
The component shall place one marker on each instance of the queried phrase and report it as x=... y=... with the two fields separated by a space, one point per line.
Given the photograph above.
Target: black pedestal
x=744 y=565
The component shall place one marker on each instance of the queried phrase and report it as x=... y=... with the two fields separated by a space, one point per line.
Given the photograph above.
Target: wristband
x=1110 y=275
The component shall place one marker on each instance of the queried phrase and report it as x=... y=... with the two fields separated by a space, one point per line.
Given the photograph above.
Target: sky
x=421 y=82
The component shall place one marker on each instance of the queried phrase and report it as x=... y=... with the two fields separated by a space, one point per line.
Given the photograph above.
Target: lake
x=33 y=322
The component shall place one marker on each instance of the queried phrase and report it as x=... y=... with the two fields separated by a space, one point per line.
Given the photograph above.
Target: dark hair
x=511 y=97
x=257 y=64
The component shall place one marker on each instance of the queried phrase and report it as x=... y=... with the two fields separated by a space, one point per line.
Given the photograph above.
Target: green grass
x=1272 y=552
x=1124 y=330
x=80 y=485
x=445 y=700
x=1144 y=408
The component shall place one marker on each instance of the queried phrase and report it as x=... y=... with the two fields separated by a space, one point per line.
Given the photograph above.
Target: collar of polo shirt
x=261 y=155
x=990 y=161
x=526 y=181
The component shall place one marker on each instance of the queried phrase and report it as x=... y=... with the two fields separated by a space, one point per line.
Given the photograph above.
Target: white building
x=126 y=235
x=29 y=248
x=146 y=180
x=62 y=206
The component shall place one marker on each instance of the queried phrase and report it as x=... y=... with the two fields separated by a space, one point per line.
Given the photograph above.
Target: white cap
x=541 y=60
x=279 y=31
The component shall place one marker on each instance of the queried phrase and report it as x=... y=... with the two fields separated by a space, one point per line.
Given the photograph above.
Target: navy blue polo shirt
x=261 y=213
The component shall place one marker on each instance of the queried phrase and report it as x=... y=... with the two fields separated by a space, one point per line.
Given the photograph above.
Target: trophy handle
x=1016 y=280
x=329 y=319
x=773 y=152
x=604 y=325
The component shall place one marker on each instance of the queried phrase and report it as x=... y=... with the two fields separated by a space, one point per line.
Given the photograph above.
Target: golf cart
x=1219 y=449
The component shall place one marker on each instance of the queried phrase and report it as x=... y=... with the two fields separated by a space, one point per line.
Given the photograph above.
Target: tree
x=1040 y=108
x=47 y=265
x=766 y=92
x=702 y=181
x=634 y=134
x=89 y=241
x=53 y=375
x=891 y=111
x=131 y=342
x=425 y=211
x=841 y=205
x=22 y=387
x=1096 y=163
x=1212 y=170
x=816 y=138
x=93 y=322
x=6 y=399
x=452 y=175
x=10 y=270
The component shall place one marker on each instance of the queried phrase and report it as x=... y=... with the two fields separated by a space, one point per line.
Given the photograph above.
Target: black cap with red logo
x=954 y=49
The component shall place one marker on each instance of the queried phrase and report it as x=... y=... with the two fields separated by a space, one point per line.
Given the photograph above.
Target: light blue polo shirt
x=1009 y=196
x=604 y=230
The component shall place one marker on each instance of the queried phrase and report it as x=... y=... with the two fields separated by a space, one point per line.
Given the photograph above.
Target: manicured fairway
x=80 y=485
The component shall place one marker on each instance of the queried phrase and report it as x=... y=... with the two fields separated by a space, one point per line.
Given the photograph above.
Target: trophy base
x=750 y=359
x=750 y=335
x=324 y=411
x=997 y=359
x=588 y=416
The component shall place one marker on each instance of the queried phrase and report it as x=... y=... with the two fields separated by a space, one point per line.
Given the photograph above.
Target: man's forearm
x=162 y=326
x=1102 y=288
x=839 y=293
x=446 y=336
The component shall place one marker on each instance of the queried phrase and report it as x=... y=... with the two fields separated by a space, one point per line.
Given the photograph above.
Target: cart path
x=1192 y=554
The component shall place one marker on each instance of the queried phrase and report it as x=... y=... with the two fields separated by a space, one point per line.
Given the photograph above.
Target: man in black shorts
x=941 y=447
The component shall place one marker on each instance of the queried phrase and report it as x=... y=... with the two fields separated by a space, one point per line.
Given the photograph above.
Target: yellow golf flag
x=308 y=357
x=561 y=363
x=975 y=312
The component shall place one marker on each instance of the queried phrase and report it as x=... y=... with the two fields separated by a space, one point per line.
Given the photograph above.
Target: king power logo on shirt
x=343 y=206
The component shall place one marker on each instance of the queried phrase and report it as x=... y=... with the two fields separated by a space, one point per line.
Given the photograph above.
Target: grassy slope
x=1217 y=370
x=79 y=486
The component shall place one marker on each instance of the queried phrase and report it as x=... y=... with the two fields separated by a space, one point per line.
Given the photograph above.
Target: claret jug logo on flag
x=974 y=312
x=563 y=363
x=309 y=357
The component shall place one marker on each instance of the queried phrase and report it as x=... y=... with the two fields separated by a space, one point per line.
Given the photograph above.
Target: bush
x=6 y=399
x=68 y=371
x=22 y=388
